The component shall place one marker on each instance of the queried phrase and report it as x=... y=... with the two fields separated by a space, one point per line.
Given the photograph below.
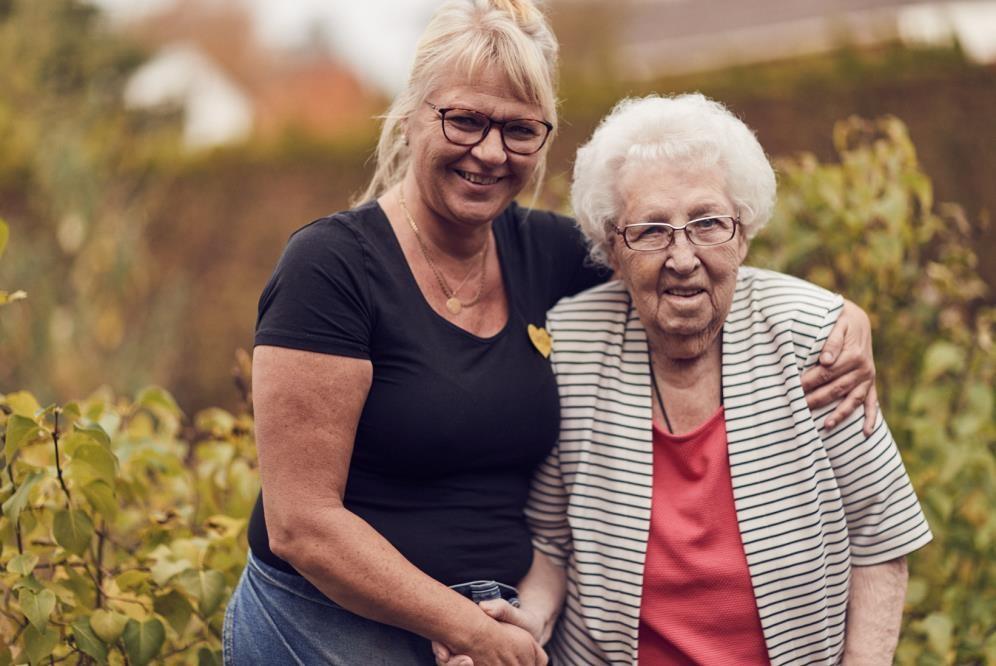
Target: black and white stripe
x=810 y=503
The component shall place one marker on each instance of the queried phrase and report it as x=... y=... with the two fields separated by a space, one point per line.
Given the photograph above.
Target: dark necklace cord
x=659 y=394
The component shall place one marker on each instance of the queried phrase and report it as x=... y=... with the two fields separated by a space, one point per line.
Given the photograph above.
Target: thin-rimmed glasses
x=702 y=231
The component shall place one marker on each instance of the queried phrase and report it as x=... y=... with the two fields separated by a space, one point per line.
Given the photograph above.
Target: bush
x=867 y=227
x=123 y=530
x=123 y=525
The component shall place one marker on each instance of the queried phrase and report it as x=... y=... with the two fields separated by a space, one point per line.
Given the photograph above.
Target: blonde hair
x=468 y=36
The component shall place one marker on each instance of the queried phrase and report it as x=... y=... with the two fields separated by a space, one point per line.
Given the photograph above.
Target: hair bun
x=524 y=11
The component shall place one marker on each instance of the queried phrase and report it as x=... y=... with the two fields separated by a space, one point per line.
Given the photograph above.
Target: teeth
x=478 y=180
x=684 y=292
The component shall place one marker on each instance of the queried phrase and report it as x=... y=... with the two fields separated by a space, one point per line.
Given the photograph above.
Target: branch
x=17 y=523
x=58 y=465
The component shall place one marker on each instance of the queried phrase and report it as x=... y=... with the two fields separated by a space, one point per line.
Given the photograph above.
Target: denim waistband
x=483 y=590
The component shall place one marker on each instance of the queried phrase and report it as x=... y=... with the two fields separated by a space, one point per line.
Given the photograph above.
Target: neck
x=458 y=241
x=685 y=374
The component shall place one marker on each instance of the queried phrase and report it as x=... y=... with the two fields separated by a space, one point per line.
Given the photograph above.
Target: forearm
x=874 y=613
x=352 y=564
x=542 y=593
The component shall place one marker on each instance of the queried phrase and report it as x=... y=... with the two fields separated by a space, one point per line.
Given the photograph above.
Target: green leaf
x=175 y=608
x=206 y=657
x=72 y=530
x=942 y=357
x=163 y=570
x=87 y=641
x=939 y=630
x=23 y=403
x=208 y=587
x=37 y=607
x=23 y=564
x=101 y=498
x=4 y=236
x=132 y=580
x=108 y=625
x=15 y=503
x=39 y=644
x=21 y=430
x=96 y=432
x=92 y=462
x=82 y=586
x=156 y=398
x=143 y=640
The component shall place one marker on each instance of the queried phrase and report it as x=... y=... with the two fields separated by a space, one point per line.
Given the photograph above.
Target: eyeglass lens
x=706 y=231
x=467 y=128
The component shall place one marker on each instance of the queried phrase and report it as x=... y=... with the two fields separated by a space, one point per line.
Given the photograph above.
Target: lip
x=680 y=300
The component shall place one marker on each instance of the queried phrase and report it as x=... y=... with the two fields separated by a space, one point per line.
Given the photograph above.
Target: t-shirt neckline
x=395 y=244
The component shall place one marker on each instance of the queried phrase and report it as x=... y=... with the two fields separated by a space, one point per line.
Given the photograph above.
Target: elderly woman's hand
x=500 y=610
x=846 y=371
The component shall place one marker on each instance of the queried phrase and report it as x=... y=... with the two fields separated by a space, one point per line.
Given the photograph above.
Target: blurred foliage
x=123 y=528
x=867 y=226
x=76 y=184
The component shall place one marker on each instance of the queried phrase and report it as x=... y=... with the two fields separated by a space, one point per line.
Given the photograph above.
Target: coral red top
x=698 y=604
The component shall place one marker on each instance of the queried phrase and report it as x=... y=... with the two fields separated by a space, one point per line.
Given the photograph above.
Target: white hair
x=469 y=36
x=685 y=129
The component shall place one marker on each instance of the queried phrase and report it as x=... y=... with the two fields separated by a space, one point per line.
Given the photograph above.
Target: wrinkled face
x=469 y=185
x=683 y=292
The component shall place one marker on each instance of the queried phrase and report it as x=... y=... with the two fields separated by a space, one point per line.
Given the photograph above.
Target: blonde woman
x=403 y=395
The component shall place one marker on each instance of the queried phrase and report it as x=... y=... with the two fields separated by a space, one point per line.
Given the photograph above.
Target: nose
x=491 y=150
x=683 y=257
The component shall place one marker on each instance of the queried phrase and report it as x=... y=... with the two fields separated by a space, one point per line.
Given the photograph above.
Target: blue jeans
x=278 y=618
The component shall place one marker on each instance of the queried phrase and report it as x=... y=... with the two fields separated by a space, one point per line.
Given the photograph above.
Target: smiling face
x=684 y=292
x=469 y=185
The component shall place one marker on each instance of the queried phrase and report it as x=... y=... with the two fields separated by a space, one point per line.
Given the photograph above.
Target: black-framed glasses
x=703 y=231
x=463 y=127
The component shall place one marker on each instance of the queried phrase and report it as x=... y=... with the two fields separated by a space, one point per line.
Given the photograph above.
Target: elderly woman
x=702 y=512
x=403 y=397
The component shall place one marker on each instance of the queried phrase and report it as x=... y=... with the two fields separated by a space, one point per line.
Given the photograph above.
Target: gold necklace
x=453 y=304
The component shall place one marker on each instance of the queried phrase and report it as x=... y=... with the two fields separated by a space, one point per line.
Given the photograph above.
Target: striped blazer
x=809 y=503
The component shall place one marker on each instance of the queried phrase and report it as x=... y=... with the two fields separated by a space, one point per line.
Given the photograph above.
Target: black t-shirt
x=454 y=424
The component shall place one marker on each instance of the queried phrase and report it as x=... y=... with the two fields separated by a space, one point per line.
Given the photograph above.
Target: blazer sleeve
x=884 y=518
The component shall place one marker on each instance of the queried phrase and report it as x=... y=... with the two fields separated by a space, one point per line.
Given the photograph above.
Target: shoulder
x=337 y=237
x=546 y=228
x=777 y=297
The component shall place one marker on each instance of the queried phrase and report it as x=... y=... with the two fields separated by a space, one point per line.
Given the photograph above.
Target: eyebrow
x=699 y=210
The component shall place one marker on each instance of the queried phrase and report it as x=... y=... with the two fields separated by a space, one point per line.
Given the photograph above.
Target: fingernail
x=830 y=424
x=827 y=357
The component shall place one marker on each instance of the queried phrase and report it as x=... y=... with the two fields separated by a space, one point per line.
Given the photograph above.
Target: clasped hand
x=516 y=638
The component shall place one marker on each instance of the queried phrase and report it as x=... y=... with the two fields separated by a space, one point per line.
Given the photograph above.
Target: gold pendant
x=453 y=305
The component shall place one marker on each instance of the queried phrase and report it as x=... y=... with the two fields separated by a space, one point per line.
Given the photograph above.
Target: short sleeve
x=318 y=296
x=884 y=518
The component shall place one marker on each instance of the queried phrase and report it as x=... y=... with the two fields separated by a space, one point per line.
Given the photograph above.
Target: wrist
x=475 y=631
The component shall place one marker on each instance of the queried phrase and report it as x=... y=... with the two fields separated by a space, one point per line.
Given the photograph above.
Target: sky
x=377 y=37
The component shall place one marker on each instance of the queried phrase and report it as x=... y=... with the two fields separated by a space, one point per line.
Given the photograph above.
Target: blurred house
x=656 y=37
x=216 y=110
x=208 y=64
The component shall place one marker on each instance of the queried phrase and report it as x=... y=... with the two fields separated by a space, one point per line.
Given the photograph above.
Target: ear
x=742 y=246
x=611 y=247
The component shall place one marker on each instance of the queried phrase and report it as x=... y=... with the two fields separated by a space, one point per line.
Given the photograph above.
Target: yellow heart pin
x=541 y=340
